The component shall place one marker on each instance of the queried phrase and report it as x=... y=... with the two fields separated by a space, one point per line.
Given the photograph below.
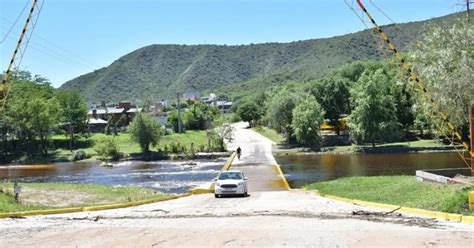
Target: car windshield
x=230 y=175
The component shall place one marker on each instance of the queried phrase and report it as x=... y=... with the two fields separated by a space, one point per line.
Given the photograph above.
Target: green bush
x=80 y=155
x=202 y=148
x=216 y=142
x=174 y=147
x=107 y=149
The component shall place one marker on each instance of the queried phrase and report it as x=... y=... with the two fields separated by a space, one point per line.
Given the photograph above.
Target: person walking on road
x=239 y=152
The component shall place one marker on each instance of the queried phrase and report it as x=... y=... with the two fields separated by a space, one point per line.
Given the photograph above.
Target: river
x=180 y=176
x=303 y=169
x=163 y=176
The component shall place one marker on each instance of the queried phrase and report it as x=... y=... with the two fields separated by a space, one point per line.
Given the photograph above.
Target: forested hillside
x=159 y=71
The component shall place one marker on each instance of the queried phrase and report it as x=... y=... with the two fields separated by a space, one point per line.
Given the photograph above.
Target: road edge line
x=285 y=182
x=89 y=208
x=412 y=211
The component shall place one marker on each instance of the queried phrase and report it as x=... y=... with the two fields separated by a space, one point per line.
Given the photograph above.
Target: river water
x=303 y=169
x=163 y=176
x=180 y=176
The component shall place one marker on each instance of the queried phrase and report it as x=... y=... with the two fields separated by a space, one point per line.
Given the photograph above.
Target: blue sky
x=74 y=37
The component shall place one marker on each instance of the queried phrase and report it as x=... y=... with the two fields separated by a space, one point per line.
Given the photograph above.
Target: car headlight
x=241 y=184
x=218 y=184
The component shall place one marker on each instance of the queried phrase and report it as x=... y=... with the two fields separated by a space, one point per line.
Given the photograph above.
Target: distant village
x=121 y=114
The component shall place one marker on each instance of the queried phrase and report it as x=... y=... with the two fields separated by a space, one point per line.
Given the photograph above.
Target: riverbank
x=399 y=190
x=416 y=146
x=188 y=145
x=35 y=196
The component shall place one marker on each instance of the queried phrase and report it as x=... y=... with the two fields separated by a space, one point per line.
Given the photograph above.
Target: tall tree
x=307 y=119
x=44 y=115
x=199 y=116
x=374 y=114
x=74 y=113
x=332 y=93
x=31 y=112
x=445 y=61
x=250 y=112
x=280 y=109
x=145 y=131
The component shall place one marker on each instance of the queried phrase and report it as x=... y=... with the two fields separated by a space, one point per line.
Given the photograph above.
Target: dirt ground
x=270 y=216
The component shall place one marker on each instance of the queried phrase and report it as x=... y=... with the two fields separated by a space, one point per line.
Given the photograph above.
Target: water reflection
x=164 y=176
x=304 y=169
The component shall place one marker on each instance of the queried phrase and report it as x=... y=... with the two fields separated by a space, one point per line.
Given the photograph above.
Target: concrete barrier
x=89 y=208
x=444 y=176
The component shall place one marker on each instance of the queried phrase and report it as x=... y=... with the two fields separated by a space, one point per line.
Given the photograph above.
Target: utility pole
x=178 y=105
x=471 y=128
x=468 y=7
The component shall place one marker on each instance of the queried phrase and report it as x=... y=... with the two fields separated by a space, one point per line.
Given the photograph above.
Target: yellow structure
x=326 y=126
x=471 y=200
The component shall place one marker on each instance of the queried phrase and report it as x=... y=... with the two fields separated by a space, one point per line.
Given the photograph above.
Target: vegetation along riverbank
x=36 y=196
x=399 y=190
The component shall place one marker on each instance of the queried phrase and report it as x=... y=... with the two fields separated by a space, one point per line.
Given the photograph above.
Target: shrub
x=80 y=155
x=145 y=131
x=106 y=148
x=216 y=142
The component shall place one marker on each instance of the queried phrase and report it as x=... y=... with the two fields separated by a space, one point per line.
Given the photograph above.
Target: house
x=224 y=106
x=96 y=125
x=157 y=111
x=209 y=99
x=192 y=95
x=120 y=115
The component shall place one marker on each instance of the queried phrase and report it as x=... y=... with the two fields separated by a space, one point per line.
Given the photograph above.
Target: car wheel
x=216 y=195
x=246 y=194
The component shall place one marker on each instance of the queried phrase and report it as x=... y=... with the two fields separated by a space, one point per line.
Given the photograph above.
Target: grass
x=198 y=138
x=399 y=190
x=36 y=196
x=269 y=133
x=126 y=145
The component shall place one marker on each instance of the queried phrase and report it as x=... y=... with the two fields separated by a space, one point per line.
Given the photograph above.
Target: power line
x=54 y=53
x=14 y=23
x=51 y=46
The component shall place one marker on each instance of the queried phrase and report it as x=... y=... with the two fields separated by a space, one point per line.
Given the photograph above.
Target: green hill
x=159 y=71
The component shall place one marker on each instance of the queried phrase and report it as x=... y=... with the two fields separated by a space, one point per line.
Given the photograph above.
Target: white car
x=230 y=183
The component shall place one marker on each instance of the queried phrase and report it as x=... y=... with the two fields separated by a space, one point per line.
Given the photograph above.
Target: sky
x=74 y=37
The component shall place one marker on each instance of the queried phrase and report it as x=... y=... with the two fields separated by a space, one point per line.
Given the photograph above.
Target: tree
x=280 y=110
x=250 y=112
x=373 y=117
x=74 y=113
x=199 y=116
x=31 y=112
x=44 y=115
x=307 y=119
x=403 y=103
x=445 y=61
x=172 y=121
x=332 y=93
x=145 y=131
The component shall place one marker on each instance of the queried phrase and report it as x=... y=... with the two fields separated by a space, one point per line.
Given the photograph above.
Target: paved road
x=257 y=161
x=269 y=217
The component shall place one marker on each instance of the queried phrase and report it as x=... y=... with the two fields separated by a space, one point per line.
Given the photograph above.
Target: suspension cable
x=4 y=88
x=420 y=87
